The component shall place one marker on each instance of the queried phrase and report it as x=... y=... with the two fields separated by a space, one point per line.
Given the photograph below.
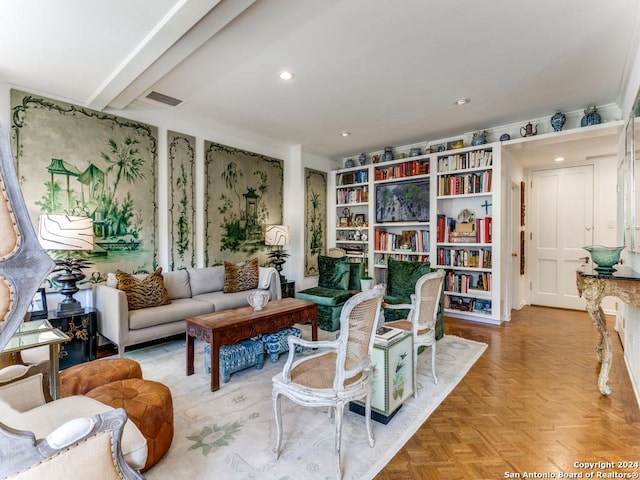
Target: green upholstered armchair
x=338 y=281
x=401 y=283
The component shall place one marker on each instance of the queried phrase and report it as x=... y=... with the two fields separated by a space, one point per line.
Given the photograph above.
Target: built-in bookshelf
x=466 y=232
x=437 y=208
x=402 y=191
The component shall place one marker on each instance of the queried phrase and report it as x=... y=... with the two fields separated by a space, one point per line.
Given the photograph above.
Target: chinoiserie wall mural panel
x=76 y=161
x=182 y=157
x=244 y=192
x=315 y=218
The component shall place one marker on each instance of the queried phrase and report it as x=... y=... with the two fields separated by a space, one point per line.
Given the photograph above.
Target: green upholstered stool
x=401 y=283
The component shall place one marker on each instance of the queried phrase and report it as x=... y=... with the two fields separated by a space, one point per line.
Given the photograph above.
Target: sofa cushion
x=333 y=272
x=205 y=280
x=241 y=277
x=402 y=277
x=224 y=301
x=177 y=284
x=148 y=292
x=179 y=309
x=324 y=296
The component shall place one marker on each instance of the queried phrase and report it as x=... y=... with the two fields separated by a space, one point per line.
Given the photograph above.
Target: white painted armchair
x=336 y=375
x=421 y=320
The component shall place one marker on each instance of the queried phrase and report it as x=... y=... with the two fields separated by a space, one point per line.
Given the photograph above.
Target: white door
x=561 y=216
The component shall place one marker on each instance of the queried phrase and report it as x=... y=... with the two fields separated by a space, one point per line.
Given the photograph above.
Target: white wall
x=627 y=315
x=167 y=119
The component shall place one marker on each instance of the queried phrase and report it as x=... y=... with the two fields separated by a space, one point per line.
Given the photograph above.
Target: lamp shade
x=65 y=232
x=277 y=235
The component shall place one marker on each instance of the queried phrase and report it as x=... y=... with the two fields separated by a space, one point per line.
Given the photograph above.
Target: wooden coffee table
x=230 y=326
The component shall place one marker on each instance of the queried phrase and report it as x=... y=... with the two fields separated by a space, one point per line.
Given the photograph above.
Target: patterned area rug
x=230 y=434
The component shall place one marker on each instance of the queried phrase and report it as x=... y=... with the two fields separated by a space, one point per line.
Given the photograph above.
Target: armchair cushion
x=324 y=296
x=333 y=272
x=402 y=277
x=356 y=272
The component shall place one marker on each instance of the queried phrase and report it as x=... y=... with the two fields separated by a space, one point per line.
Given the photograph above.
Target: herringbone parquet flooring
x=529 y=406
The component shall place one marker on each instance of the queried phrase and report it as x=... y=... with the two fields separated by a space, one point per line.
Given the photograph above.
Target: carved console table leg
x=593 y=292
x=594 y=286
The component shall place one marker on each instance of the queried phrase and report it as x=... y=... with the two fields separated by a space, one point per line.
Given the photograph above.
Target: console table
x=36 y=334
x=623 y=283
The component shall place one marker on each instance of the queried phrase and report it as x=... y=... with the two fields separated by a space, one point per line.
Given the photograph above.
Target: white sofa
x=192 y=292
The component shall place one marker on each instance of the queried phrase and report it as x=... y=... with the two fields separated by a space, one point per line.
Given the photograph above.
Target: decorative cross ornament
x=486 y=206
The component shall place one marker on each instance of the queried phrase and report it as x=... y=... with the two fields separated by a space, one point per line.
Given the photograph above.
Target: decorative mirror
x=633 y=147
x=23 y=262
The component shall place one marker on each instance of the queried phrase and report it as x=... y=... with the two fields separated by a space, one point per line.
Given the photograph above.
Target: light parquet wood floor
x=530 y=405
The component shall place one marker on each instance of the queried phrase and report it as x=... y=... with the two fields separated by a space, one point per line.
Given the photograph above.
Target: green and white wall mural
x=315 y=221
x=76 y=161
x=244 y=193
x=182 y=190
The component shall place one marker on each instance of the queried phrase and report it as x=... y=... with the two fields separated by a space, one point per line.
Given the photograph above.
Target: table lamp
x=66 y=232
x=277 y=236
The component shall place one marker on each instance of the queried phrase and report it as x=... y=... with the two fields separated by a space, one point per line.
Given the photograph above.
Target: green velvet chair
x=401 y=283
x=338 y=281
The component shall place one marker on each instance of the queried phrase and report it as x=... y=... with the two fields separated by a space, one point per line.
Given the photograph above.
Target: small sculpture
x=529 y=130
x=258 y=299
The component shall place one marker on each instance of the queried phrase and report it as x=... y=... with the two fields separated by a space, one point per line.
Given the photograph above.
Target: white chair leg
x=367 y=418
x=433 y=362
x=339 y=414
x=415 y=372
x=278 y=416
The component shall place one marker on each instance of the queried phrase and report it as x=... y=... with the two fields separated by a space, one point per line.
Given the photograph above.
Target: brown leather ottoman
x=149 y=405
x=80 y=379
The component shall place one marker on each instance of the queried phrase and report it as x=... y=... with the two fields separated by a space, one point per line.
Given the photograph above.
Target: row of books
x=352 y=195
x=411 y=240
x=446 y=230
x=466 y=258
x=351 y=178
x=464 y=184
x=463 y=304
x=381 y=259
x=401 y=170
x=464 y=283
x=461 y=161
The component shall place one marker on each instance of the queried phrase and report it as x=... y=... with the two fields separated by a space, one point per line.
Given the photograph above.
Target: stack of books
x=385 y=334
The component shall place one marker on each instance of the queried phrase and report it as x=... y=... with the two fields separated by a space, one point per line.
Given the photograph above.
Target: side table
x=38 y=333
x=392 y=381
x=289 y=290
x=82 y=329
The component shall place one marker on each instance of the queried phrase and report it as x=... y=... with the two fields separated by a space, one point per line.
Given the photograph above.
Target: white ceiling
x=388 y=71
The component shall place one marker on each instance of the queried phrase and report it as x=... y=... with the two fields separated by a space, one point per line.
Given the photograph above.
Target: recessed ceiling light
x=462 y=101
x=558 y=159
x=345 y=134
x=287 y=75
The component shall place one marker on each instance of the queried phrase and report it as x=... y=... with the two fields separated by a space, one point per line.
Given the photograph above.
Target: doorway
x=562 y=220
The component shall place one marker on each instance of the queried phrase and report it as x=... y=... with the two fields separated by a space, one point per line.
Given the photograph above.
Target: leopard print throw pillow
x=143 y=293
x=241 y=277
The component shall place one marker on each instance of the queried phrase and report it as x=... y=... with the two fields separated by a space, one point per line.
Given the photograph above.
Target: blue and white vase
x=557 y=121
x=362 y=159
x=388 y=154
x=591 y=116
x=479 y=138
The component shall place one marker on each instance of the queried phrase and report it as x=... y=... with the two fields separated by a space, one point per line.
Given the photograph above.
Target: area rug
x=230 y=434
